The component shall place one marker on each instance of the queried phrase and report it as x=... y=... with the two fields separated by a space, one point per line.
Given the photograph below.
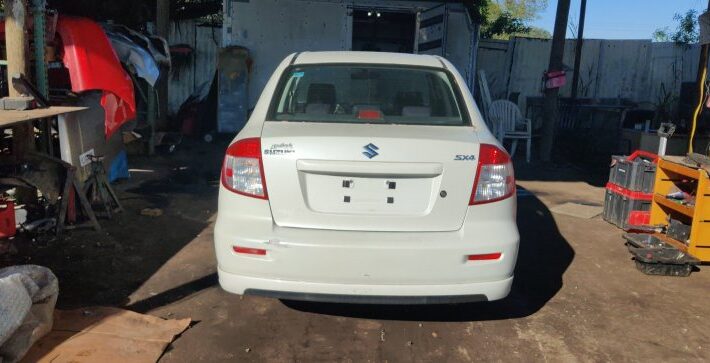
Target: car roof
x=421 y=60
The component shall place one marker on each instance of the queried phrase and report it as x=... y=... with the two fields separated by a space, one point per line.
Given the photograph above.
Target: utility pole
x=162 y=27
x=16 y=48
x=578 y=50
x=550 y=110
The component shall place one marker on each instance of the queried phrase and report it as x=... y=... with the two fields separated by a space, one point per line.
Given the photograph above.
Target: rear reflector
x=249 y=251
x=485 y=257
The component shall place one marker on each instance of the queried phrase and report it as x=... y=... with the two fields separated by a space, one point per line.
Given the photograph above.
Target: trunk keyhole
x=443 y=194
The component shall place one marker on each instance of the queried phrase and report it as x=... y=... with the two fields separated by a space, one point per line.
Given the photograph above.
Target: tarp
x=27 y=298
x=134 y=55
x=155 y=45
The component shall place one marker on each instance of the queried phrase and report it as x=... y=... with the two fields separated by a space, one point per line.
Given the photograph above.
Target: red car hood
x=93 y=65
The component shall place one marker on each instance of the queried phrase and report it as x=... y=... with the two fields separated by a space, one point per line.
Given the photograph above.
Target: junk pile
x=147 y=60
x=665 y=200
x=110 y=70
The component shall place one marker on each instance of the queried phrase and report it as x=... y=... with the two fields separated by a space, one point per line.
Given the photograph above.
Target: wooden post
x=15 y=41
x=16 y=47
x=551 y=111
x=162 y=17
x=578 y=49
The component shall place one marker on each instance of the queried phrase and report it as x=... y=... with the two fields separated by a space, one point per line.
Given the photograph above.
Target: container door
x=431 y=31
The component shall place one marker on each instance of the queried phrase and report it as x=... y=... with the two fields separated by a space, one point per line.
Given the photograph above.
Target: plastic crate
x=620 y=202
x=636 y=172
x=616 y=161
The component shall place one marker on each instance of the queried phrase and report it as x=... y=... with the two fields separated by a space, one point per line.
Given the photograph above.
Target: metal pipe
x=662 y=146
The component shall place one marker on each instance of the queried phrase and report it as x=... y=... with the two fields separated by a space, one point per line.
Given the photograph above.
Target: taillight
x=494 y=176
x=243 y=169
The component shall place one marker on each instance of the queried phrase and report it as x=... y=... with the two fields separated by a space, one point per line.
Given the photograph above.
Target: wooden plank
x=676 y=168
x=677 y=207
x=10 y=118
x=700 y=228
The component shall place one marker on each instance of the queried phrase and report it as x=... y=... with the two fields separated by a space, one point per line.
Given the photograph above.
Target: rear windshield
x=368 y=94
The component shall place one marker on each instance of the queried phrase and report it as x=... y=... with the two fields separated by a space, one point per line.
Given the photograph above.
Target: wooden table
x=11 y=118
x=23 y=140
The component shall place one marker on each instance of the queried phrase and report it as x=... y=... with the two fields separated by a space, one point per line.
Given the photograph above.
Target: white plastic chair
x=510 y=124
x=486 y=100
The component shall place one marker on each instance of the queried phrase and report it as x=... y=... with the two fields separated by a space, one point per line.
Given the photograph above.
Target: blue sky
x=622 y=19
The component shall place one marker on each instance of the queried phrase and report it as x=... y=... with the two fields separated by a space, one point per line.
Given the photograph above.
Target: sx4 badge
x=465 y=157
x=280 y=149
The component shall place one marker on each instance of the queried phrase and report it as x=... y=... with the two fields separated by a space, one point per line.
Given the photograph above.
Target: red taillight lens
x=494 y=177
x=243 y=169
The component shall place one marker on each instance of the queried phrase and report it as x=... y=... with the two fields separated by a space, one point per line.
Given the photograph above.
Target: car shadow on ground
x=543 y=259
x=593 y=174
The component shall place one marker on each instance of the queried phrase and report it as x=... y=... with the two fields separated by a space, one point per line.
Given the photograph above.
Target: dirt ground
x=576 y=297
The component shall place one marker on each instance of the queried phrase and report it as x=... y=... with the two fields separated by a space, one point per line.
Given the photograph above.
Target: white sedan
x=367 y=178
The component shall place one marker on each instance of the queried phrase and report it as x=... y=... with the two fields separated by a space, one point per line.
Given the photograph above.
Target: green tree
x=686 y=32
x=506 y=18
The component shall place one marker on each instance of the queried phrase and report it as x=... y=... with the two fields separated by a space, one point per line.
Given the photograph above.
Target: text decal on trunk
x=465 y=157
x=280 y=149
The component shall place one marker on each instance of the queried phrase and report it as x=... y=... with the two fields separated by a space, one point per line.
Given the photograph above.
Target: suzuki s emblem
x=370 y=150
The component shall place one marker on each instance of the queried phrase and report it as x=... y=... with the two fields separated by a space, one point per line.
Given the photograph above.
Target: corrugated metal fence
x=637 y=70
x=199 y=70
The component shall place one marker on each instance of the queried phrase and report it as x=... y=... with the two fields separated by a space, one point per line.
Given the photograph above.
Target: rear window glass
x=368 y=94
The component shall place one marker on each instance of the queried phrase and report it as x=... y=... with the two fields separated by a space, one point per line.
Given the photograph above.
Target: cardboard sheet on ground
x=578 y=210
x=105 y=335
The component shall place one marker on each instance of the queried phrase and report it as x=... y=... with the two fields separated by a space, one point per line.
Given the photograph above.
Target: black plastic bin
x=656 y=257
x=637 y=172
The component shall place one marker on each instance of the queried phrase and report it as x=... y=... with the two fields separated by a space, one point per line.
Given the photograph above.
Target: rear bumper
x=332 y=265
x=365 y=294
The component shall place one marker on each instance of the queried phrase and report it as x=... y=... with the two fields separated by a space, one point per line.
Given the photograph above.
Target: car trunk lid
x=368 y=177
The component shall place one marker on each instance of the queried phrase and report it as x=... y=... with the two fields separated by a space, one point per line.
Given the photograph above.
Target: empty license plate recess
x=369 y=195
